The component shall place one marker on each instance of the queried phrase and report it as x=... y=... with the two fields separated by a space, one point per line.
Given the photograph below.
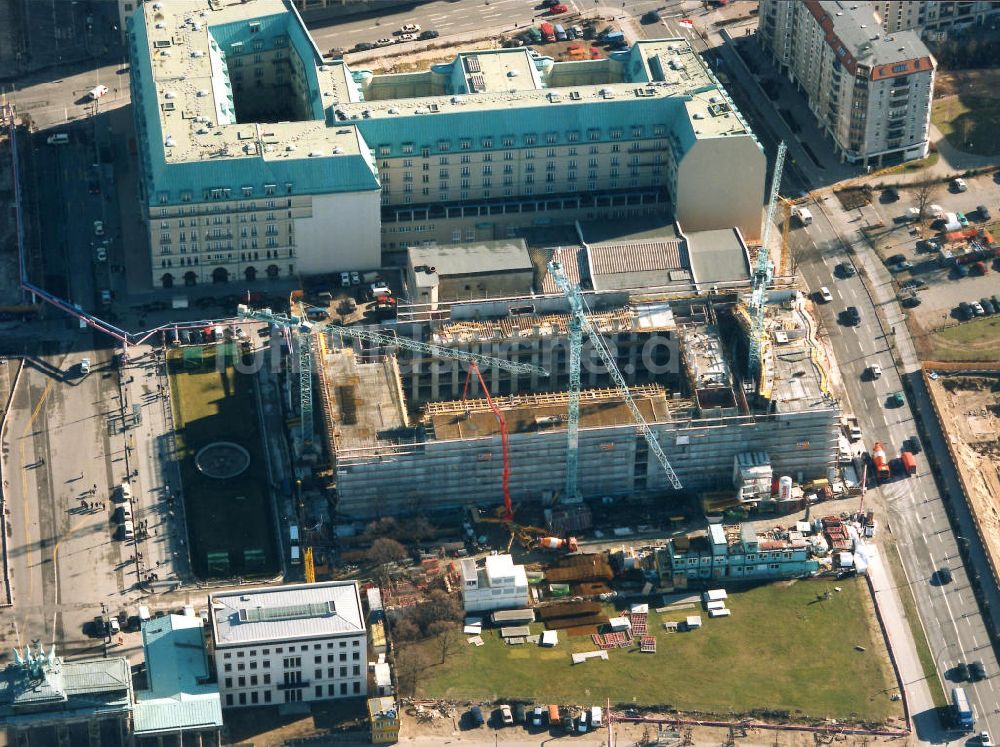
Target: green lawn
x=970 y=123
x=782 y=650
x=978 y=340
x=223 y=516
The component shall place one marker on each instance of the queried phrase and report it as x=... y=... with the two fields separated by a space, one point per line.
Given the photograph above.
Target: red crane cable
x=508 y=514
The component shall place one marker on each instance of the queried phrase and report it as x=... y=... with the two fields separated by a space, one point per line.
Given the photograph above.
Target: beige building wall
x=706 y=187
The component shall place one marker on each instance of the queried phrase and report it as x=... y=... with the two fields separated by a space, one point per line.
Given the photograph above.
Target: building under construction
x=402 y=437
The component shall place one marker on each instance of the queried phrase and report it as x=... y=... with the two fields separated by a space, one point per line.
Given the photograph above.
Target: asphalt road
x=63 y=559
x=915 y=511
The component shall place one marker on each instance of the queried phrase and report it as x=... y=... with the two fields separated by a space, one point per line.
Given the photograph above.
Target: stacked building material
x=580 y=568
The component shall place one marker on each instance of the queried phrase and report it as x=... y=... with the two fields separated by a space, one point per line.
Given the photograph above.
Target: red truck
x=880 y=461
x=548 y=32
x=909 y=463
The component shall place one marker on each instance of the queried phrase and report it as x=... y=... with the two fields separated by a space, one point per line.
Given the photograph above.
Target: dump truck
x=880 y=461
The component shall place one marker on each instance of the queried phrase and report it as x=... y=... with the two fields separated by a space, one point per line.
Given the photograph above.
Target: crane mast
x=764 y=269
x=579 y=317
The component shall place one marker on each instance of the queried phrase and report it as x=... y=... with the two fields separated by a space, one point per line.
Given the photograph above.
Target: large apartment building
x=942 y=15
x=261 y=159
x=289 y=644
x=871 y=92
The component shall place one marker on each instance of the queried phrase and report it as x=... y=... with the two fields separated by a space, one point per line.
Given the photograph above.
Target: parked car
x=537 y=716
x=959 y=185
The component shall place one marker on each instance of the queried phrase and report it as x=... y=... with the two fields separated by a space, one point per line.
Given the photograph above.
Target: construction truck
x=881 y=462
x=559 y=544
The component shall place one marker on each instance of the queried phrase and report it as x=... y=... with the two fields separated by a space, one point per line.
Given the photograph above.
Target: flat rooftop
x=480 y=258
x=542 y=412
x=858 y=30
x=361 y=400
x=718 y=256
x=287 y=613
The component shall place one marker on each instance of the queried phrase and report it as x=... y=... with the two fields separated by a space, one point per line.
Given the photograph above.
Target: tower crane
x=764 y=270
x=302 y=328
x=579 y=324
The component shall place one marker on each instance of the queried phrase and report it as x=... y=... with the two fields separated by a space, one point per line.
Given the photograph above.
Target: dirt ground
x=969 y=82
x=970 y=408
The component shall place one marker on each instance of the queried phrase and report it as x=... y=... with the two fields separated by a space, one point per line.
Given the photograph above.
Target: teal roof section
x=179 y=695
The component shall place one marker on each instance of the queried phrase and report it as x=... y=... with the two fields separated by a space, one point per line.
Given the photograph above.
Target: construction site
x=967 y=404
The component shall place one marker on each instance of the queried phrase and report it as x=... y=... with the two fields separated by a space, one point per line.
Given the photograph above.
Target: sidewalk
x=156 y=488
x=903 y=649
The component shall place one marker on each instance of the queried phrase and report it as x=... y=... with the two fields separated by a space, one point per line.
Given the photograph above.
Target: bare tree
x=404 y=629
x=383 y=552
x=923 y=195
x=446 y=637
x=410 y=664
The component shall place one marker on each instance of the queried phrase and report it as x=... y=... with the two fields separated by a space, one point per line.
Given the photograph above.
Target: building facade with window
x=261 y=159
x=289 y=644
x=870 y=92
x=933 y=17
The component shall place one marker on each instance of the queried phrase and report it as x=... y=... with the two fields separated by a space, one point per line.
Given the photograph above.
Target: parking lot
x=945 y=287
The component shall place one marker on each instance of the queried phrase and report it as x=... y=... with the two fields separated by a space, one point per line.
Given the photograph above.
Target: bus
x=961 y=710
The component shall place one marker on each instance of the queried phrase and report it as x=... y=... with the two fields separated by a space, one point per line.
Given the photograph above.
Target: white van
x=296 y=555
x=59 y=138
x=803 y=214
x=595 y=717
